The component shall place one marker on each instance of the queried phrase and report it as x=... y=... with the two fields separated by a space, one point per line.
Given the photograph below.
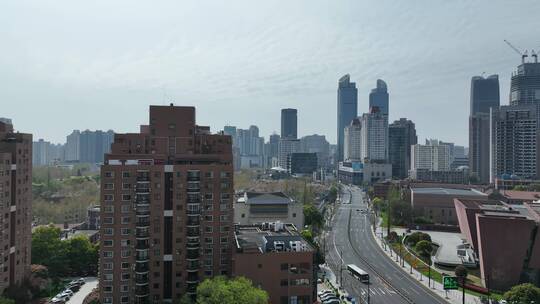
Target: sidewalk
x=330 y=282
x=451 y=296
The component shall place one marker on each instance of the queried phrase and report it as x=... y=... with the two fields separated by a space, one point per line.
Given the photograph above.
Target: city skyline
x=98 y=65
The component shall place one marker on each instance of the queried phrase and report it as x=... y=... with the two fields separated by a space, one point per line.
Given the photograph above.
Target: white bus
x=358 y=273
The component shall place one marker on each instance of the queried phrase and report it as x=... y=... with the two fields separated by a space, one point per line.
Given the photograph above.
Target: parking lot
x=85 y=289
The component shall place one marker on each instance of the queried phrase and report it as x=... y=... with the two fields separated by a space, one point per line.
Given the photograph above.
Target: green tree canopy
x=312 y=216
x=424 y=248
x=6 y=301
x=416 y=237
x=524 y=293
x=62 y=257
x=220 y=290
x=401 y=213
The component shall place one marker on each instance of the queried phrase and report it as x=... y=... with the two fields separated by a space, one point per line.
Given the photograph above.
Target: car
x=73 y=287
x=81 y=280
x=69 y=292
x=62 y=296
x=56 y=300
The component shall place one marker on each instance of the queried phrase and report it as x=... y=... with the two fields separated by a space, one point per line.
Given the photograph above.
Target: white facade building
x=431 y=156
x=374 y=138
x=352 y=141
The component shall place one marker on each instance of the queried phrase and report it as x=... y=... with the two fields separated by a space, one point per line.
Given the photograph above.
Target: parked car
x=74 y=287
x=62 y=296
x=68 y=292
x=57 y=301
x=81 y=280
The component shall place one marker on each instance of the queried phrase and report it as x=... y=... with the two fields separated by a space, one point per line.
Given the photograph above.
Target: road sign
x=450 y=283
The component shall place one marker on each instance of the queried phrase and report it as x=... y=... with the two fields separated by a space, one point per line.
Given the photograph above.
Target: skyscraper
x=289 y=123
x=166 y=211
x=484 y=96
x=525 y=84
x=16 y=206
x=379 y=97
x=352 y=142
x=347 y=109
x=374 y=139
x=319 y=145
x=514 y=141
x=401 y=136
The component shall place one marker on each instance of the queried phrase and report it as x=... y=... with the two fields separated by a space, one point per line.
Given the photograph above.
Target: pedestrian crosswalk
x=377 y=291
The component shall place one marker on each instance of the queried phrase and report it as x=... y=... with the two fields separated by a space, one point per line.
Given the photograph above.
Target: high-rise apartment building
x=286 y=147
x=347 y=110
x=166 y=209
x=432 y=156
x=73 y=142
x=15 y=204
x=374 y=139
x=88 y=146
x=525 y=84
x=319 y=145
x=273 y=150
x=289 y=123
x=352 y=143
x=379 y=97
x=484 y=96
x=401 y=136
x=514 y=141
x=45 y=153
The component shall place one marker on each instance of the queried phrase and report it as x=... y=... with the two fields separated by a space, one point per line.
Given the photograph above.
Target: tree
x=6 y=301
x=332 y=194
x=523 y=293
x=220 y=290
x=312 y=216
x=83 y=255
x=424 y=249
x=416 y=237
x=520 y=188
x=49 y=250
x=401 y=213
x=378 y=204
x=461 y=272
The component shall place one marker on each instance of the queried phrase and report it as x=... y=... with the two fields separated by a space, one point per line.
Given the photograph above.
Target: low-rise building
x=358 y=173
x=264 y=207
x=92 y=218
x=437 y=204
x=519 y=197
x=505 y=238
x=460 y=176
x=277 y=259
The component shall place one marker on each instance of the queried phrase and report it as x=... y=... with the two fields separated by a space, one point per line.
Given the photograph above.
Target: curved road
x=350 y=241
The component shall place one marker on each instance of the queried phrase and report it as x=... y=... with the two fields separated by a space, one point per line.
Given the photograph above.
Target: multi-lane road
x=350 y=241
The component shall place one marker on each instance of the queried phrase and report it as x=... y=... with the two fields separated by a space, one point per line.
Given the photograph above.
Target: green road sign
x=450 y=283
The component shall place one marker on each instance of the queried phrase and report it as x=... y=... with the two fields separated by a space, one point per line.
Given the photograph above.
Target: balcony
x=193 y=221
x=142 y=222
x=141 y=290
x=193 y=231
x=192 y=254
x=141 y=267
x=193 y=212
x=192 y=266
x=193 y=176
x=141 y=279
x=193 y=243
x=142 y=244
x=142 y=255
x=142 y=233
x=141 y=299
x=192 y=278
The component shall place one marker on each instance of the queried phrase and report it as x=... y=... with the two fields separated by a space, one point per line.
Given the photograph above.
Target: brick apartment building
x=166 y=209
x=277 y=259
x=15 y=204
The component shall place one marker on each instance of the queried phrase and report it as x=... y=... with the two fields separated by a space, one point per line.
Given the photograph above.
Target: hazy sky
x=96 y=64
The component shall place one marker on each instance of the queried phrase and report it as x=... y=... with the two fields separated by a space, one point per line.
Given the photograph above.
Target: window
x=108 y=277
x=125 y=231
x=209 y=196
x=109 y=174
x=124 y=288
x=108 y=231
x=126 y=219
x=125 y=276
x=108 y=209
x=107 y=288
x=224 y=229
x=108 y=266
x=208 y=218
x=107 y=243
x=108 y=220
x=208 y=251
x=224 y=218
x=126 y=186
x=108 y=186
x=294 y=215
x=284 y=266
x=126 y=253
x=125 y=208
x=208 y=229
x=208 y=240
x=125 y=174
x=126 y=197
x=124 y=299
x=125 y=265
x=125 y=243
x=209 y=174
x=224 y=174
x=108 y=197
x=224 y=240
x=107 y=254
x=243 y=215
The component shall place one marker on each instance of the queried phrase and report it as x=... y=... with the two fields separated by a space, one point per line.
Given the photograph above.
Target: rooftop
x=447 y=191
x=264 y=198
x=521 y=195
x=270 y=237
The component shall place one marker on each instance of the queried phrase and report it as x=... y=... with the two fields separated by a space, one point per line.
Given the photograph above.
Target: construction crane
x=522 y=54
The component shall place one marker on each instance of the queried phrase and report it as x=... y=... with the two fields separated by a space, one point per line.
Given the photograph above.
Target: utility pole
x=463 y=288
x=341 y=267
